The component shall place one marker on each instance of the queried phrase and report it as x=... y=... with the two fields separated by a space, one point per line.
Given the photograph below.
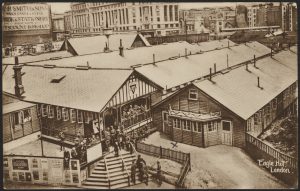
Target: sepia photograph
x=149 y=95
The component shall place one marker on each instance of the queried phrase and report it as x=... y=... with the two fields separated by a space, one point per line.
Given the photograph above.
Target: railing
x=55 y=133
x=177 y=156
x=124 y=166
x=291 y=161
x=184 y=171
x=131 y=120
x=161 y=152
x=108 y=178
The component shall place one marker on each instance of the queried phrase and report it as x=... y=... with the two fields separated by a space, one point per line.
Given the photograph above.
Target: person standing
x=74 y=153
x=158 y=173
x=145 y=173
x=62 y=138
x=139 y=163
x=133 y=172
x=116 y=149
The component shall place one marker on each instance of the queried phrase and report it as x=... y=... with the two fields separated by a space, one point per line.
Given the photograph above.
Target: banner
x=35 y=16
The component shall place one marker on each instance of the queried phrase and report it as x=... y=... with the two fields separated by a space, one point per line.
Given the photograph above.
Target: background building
x=149 y=18
x=25 y=23
x=58 y=26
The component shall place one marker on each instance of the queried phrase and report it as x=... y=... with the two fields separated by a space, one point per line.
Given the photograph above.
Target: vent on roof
x=82 y=67
x=173 y=57
x=56 y=58
x=49 y=66
x=58 y=78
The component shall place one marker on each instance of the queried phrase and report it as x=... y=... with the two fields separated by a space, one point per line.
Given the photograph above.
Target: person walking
x=158 y=173
x=62 y=138
x=133 y=172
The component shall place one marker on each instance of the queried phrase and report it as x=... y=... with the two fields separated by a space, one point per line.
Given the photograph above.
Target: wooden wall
x=204 y=104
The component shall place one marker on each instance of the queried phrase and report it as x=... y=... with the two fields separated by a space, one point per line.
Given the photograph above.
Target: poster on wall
x=20 y=164
x=6 y=175
x=15 y=176
x=74 y=165
x=21 y=176
x=56 y=170
x=75 y=177
x=28 y=176
x=44 y=164
x=35 y=163
x=45 y=176
x=36 y=175
x=67 y=176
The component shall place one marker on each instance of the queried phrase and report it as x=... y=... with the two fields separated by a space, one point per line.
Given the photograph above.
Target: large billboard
x=18 y=17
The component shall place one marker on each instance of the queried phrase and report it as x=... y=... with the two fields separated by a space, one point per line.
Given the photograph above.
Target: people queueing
x=158 y=173
x=144 y=176
x=62 y=139
x=133 y=172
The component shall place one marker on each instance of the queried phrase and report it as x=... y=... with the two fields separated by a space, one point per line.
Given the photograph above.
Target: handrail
x=124 y=166
x=271 y=151
x=107 y=172
x=185 y=170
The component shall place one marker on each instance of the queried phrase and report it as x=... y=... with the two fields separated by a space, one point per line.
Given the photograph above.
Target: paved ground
x=152 y=185
x=34 y=148
x=221 y=166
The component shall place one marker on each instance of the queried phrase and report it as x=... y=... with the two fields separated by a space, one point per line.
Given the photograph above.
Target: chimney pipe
x=87 y=64
x=247 y=67
x=209 y=73
x=153 y=58
x=19 y=88
x=215 y=67
x=227 y=61
x=258 y=84
x=271 y=52
x=186 y=52
x=228 y=44
x=254 y=61
x=121 y=49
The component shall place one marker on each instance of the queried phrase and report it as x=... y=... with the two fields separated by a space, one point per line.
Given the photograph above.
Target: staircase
x=109 y=173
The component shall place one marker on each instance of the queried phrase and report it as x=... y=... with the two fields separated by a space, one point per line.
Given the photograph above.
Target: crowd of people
x=132 y=114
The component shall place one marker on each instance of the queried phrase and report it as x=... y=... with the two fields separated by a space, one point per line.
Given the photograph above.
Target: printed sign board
x=20 y=164
x=20 y=17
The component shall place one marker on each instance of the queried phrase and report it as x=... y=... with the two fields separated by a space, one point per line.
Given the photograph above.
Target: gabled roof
x=238 y=91
x=16 y=106
x=141 y=55
x=176 y=72
x=96 y=44
x=81 y=89
x=39 y=57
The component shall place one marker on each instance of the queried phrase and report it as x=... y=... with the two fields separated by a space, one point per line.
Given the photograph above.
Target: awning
x=195 y=116
x=16 y=106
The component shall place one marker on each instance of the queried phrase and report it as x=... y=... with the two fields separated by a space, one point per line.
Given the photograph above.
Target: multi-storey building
x=289 y=17
x=152 y=18
x=251 y=15
x=214 y=19
x=67 y=22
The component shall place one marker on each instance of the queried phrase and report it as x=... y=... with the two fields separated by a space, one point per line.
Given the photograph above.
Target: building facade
x=289 y=17
x=58 y=26
x=150 y=18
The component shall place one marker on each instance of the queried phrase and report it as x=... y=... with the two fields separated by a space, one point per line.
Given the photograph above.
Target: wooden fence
x=177 y=156
x=161 y=152
x=257 y=149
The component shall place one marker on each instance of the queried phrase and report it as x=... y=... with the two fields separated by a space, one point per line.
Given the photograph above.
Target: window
x=65 y=114
x=171 y=25
x=165 y=116
x=44 y=110
x=188 y=125
x=193 y=94
x=166 y=25
x=79 y=116
x=38 y=110
x=88 y=116
x=199 y=127
x=158 y=19
x=158 y=26
x=73 y=115
x=211 y=127
x=183 y=124
x=58 y=113
x=50 y=110
x=226 y=126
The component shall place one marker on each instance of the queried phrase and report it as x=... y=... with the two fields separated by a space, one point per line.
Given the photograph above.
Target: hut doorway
x=226 y=132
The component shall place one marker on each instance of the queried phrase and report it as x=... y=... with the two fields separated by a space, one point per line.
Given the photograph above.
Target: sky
x=62 y=7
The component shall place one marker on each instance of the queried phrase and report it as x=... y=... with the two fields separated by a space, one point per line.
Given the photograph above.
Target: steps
x=109 y=171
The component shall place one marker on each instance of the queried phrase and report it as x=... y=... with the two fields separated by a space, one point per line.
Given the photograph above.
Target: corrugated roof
x=82 y=89
x=238 y=91
x=182 y=70
x=96 y=44
x=15 y=106
x=136 y=56
x=40 y=57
